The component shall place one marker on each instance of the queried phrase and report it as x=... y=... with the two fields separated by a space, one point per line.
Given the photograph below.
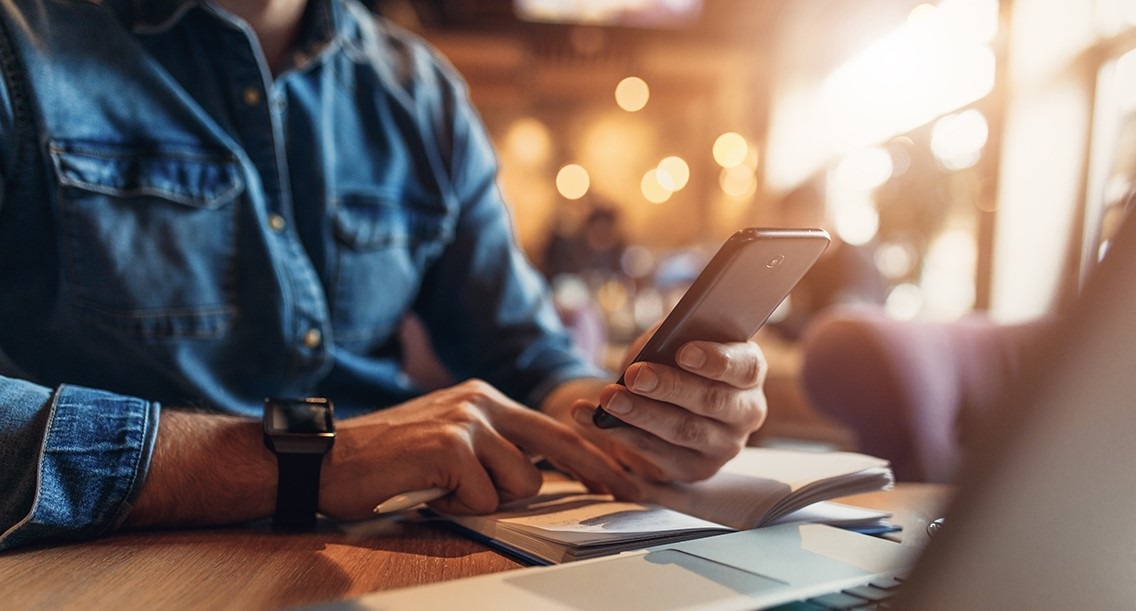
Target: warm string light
x=730 y=150
x=572 y=181
x=652 y=188
x=673 y=173
x=632 y=94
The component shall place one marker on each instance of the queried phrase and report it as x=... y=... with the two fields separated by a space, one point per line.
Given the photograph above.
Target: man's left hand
x=685 y=422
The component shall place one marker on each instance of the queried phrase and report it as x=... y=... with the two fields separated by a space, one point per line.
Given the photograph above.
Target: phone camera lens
x=775 y=261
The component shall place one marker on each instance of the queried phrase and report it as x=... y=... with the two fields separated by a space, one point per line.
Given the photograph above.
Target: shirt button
x=251 y=96
x=312 y=338
x=276 y=222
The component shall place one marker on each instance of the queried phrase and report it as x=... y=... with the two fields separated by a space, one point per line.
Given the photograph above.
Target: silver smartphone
x=733 y=296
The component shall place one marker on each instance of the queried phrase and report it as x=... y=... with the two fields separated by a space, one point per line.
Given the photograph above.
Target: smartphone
x=737 y=291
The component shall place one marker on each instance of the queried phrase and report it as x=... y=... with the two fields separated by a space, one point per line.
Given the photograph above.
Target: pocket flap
x=367 y=221
x=204 y=179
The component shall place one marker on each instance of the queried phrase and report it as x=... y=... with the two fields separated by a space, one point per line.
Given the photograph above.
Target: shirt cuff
x=95 y=454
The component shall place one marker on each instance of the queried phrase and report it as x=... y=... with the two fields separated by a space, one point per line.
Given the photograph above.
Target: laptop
x=1043 y=516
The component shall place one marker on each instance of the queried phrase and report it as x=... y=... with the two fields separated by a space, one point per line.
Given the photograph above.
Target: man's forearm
x=206 y=469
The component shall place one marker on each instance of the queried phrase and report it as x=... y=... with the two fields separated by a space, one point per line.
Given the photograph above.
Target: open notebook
x=1042 y=518
x=759 y=487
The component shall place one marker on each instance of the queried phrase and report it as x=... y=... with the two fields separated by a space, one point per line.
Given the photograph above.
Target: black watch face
x=298 y=416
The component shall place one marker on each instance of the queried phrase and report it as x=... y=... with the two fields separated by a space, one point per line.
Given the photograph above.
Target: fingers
x=652 y=457
x=470 y=439
x=741 y=365
x=512 y=473
x=475 y=490
x=504 y=435
x=666 y=420
x=686 y=421
x=494 y=472
x=540 y=434
x=722 y=382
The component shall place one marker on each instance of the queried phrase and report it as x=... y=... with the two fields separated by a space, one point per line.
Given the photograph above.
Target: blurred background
x=968 y=155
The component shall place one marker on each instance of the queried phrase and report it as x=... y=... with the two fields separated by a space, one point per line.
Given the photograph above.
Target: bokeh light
x=637 y=261
x=738 y=182
x=854 y=217
x=730 y=150
x=957 y=140
x=528 y=141
x=653 y=189
x=896 y=259
x=632 y=93
x=673 y=173
x=905 y=302
x=572 y=181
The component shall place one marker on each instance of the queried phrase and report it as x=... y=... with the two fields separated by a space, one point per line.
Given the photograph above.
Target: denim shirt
x=181 y=227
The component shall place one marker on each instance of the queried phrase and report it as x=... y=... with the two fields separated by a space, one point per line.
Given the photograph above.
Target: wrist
x=206 y=469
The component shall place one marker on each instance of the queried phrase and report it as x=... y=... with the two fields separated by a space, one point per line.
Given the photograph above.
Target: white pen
x=406 y=500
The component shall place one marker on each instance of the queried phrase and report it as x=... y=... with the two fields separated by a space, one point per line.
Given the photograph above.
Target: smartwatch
x=299 y=432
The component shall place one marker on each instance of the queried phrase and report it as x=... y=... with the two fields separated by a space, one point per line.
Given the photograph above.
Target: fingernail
x=618 y=404
x=692 y=357
x=644 y=379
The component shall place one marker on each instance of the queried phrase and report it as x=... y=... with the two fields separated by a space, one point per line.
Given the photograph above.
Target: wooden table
x=252 y=568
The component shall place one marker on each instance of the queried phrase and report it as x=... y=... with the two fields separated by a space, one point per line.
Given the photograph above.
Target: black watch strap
x=297 y=491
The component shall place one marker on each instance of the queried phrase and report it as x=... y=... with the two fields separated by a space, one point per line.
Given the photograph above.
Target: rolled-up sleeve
x=74 y=458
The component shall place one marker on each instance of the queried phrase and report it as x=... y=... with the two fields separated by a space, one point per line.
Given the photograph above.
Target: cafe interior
x=968 y=158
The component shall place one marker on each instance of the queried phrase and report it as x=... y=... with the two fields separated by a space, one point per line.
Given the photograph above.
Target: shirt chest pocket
x=384 y=246
x=149 y=236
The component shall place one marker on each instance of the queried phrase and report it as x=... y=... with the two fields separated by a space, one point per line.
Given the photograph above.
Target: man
x=206 y=203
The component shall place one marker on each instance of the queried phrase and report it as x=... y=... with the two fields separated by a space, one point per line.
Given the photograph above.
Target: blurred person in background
x=593 y=248
x=581 y=255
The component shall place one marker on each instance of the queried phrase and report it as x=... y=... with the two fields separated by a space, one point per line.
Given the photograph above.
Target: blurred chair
x=910 y=390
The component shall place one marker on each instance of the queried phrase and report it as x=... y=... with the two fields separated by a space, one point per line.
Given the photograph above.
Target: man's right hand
x=212 y=469
x=469 y=438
